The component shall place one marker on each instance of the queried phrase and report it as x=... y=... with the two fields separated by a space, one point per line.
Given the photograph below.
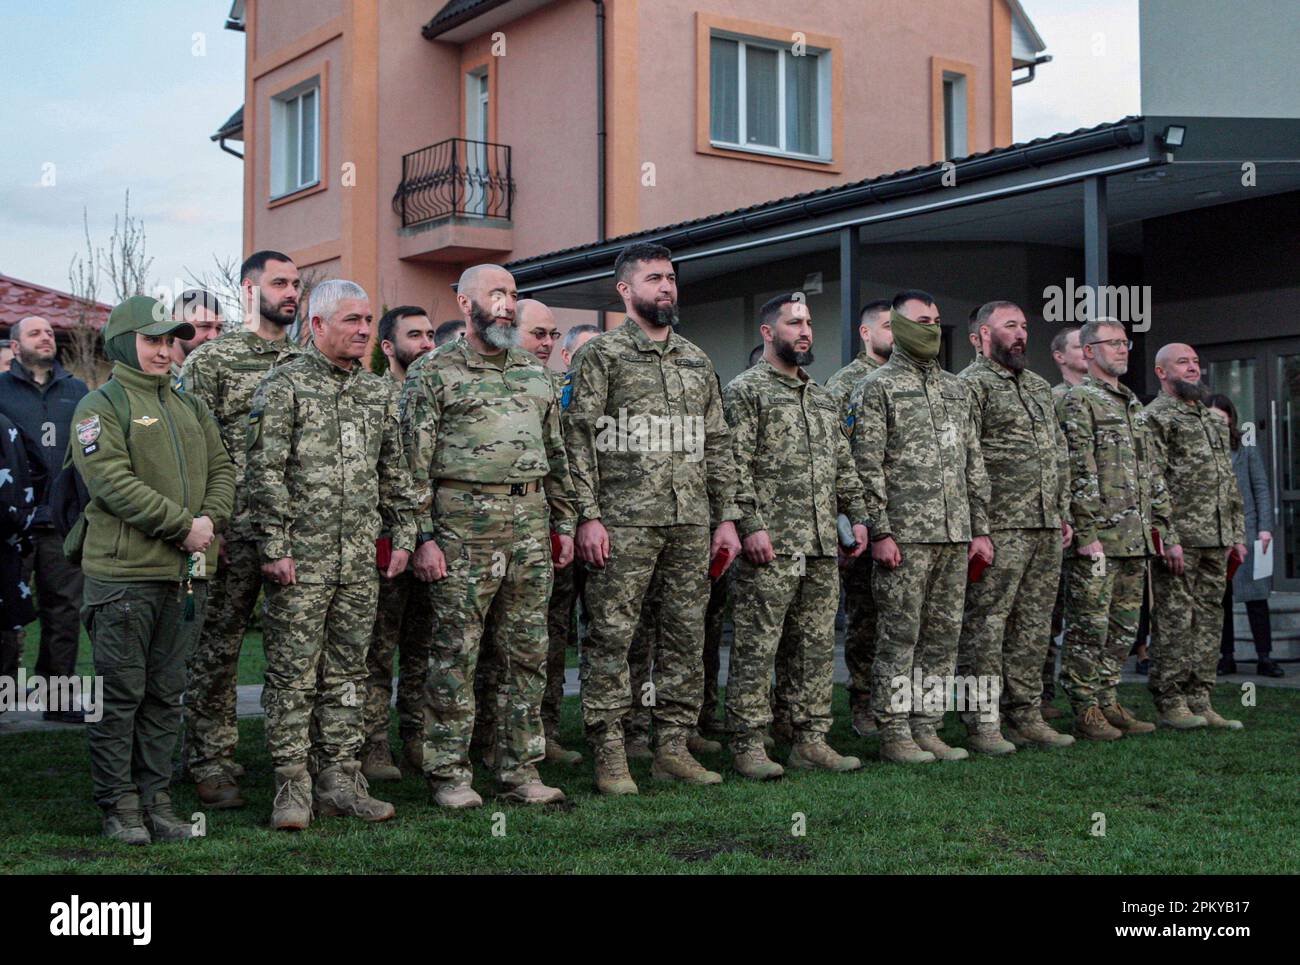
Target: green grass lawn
x=1173 y=804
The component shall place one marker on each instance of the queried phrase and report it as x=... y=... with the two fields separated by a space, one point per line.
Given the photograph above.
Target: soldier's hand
x=725 y=538
x=863 y=536
x=1238 y=553
x=593 y=543
x=430 y=565
x=1067 y=534
x=982 y=547
x=758 y=548
x=397 y=565
x=1092 y=550
x=200 y=535
x=282 y=572
x=566 y=551
x=885 y=552
x=1265 y=537
x=1174 y=559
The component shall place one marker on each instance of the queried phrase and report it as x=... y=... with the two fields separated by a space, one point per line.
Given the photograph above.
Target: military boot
x=1178 y=716
x=638 y=749
x=220 y=792
x=1092 y=725
x=864 y=721
x=612 y=776
x=454 y=795
x=162 y=821
x=928 y=740
x=377 y=762
x=124 y=821
x=1213 y=718
x=1036 y=731
x=525 y=787
x=1121 y=719
x=556 y=753
x=750 y=760
x=816 y=755
x=342 y=791
x=1050 y=711
x=698 y=744
x=898 y=747
x=673 y=762
x=291 y=810
x=986 y=738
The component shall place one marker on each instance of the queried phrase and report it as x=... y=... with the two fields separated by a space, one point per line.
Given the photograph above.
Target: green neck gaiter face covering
x=121 y=348
x=920 y=342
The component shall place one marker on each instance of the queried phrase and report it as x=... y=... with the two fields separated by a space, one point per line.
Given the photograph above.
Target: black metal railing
x=455 y=177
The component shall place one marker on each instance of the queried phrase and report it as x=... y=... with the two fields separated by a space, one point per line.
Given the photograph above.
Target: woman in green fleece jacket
x=160 y=484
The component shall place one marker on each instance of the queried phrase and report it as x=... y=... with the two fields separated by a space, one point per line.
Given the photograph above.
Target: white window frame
x=824 y=122
x=281 y=106
x=957 y=122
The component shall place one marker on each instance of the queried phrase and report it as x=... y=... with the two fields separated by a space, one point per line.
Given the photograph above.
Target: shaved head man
x=537 y=330
x=1178 y=368
x=488 y=299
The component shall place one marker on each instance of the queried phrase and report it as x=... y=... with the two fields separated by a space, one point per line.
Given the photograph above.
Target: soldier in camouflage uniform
x=650 y=456
x=1115 y=501
x=917 y=451
x=859 y=610
x=202 y=309
x=326 y=475
x=482 y=427
x=795 y=474
x=1007 y=617
x=224 y=373
x=404 y=618
x=1191 y=451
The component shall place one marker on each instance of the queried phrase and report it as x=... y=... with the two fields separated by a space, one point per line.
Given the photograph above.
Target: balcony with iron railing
x=455 y=200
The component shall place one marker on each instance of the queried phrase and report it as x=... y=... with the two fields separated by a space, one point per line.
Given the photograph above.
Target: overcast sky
x=103 y=96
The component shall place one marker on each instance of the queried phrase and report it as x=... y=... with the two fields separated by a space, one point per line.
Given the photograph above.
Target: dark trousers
x=58 y=599
x=1260 y=628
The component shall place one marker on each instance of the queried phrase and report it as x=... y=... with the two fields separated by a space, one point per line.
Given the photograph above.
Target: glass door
x=477 y=175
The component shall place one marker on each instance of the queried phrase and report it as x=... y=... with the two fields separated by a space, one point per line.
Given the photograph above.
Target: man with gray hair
x=326 y=476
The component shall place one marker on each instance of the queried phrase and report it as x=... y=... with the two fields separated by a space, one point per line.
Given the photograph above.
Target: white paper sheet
x=1263 y=567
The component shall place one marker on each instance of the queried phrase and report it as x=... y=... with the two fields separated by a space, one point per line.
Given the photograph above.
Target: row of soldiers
x=488 y=476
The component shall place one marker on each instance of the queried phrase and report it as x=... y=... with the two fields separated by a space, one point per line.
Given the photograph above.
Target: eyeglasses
x=541 y=333
x=1114 y=342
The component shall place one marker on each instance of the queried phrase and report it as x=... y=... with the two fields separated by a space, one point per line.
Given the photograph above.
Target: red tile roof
x=18 y=299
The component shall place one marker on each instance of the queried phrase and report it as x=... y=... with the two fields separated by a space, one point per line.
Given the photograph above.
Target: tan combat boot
x=864 y=721
x=1213 y=718
x=525 y=787
x=1121 y=719
x=162 y=822
x=817 y=755
x=342 y=791
x=699 y=744
x=377 y=762
x=291 y=810
x=1036 y=731
x=899 y=748
x=750 y=760
x=454 y=795
x=673 y=762
x=1178 y=716
x=124 y=821
x=928 y=740
x=1092 y=725
x=556 y=753
x=638 y=749
x=220 y=792
x=986 y=738
x=612 y=776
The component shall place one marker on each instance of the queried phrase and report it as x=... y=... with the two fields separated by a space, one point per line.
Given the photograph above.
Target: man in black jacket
x=39 y=396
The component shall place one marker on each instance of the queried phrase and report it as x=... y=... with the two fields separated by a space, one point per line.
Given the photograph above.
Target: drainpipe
x=1042 y=59
x=600 y=119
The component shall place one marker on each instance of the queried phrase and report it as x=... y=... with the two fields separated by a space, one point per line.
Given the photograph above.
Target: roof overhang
x=1027 y=194
x=235 y=20
x=463 y=20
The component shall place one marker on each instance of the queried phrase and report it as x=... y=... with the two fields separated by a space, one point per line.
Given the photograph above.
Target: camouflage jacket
x=225 y=373
x=1023 y=446
x=917 y=451
x=794 y=469
x=1115 y=496
x=326 y=472
x=1191 y=450
x=842 y=383
x=470 y=418
x=648 y=443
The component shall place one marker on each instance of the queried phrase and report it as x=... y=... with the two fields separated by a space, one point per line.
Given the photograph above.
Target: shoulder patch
x=566 y=392
x=88 y=430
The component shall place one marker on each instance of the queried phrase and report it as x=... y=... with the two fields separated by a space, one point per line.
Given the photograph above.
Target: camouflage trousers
x=1006 y=621
x=1102 y=600
x=1187 y=624
x=211 y=727
x=794 y=598
x=859 y=629
x=499 y=572
x=403 y=623
x=678 y=557
x=918 y=619
x=1058 y=624
x=316 y=636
